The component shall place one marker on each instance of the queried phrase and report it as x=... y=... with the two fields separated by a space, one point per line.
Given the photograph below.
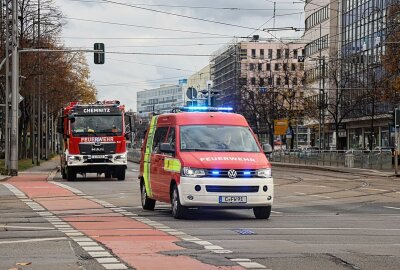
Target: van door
x=157 y=162
x=167 y=170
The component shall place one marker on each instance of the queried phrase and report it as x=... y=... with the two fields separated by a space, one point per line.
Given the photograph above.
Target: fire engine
x=94 y=139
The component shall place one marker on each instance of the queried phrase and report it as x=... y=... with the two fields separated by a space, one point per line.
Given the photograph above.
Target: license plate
x=98 y=156
x=232 y=199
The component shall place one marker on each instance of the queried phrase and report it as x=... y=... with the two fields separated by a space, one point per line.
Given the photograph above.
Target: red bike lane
x=139 y=245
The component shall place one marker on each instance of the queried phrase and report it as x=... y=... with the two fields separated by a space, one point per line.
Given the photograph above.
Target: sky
x=132 y=34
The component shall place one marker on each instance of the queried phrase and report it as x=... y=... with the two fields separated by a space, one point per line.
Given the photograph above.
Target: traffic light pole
x=396 y=143
x=14 y=93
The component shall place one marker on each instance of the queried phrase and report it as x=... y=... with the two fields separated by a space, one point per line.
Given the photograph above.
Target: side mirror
x=267 y=148
x=167 y=148
x=71 y=118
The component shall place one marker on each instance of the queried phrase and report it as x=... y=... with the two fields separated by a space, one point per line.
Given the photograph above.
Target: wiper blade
x=198 y=150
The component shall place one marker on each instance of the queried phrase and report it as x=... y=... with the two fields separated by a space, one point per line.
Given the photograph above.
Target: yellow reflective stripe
x=147 y=155
x=172 y=165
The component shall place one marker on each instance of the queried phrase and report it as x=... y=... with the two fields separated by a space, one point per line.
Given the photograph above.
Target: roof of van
x=202 y=118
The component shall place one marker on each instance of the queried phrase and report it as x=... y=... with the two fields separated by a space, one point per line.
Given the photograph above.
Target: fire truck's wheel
x=71 y=175
x=262 y=212
x=178 y=211
x=63 y=174
x=107 y=175
x=147 y=203
x=121 y=174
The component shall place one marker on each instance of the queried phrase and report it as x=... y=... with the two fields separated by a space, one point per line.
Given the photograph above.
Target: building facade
x=262 y=79
x=197 y=82
x=159 y=100
x=365 y=30
x=322 y=72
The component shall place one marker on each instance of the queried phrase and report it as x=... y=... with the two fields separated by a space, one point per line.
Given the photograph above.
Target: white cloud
x=125 y=78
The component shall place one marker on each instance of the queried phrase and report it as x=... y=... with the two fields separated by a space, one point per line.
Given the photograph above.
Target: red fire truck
x=94 y=138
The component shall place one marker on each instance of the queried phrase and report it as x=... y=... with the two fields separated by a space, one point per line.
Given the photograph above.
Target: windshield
x=217 y=138
x=106 y=125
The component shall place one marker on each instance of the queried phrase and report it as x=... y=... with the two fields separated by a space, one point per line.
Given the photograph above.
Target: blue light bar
x=246 y=173
x=215 y=172
x=206 y=109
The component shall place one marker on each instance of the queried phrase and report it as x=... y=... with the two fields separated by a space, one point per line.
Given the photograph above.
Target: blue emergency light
x=205 y=109
x=215 y=172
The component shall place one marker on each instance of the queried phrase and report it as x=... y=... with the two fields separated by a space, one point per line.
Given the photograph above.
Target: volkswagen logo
x=232 y=174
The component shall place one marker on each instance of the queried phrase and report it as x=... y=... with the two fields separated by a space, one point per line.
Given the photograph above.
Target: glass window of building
x=270 y=53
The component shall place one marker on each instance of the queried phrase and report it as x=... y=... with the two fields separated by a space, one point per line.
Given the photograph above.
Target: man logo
x=232 y=174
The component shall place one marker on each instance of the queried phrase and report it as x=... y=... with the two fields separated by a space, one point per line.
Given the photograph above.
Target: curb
x=5 y=178
x=334 y=169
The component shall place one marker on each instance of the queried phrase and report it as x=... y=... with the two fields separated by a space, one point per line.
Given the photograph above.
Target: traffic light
x=99 y=57
x=394 y=117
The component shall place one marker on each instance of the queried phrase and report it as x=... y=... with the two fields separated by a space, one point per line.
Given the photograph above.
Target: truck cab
x=204 y=158
x=93 y=140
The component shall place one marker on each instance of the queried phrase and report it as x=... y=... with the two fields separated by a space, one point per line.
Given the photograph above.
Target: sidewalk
x=45 y=167
x=366 y=172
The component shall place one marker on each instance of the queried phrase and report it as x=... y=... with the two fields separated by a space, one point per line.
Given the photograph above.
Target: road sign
x=99 y=57
x=300 y=59
x=191 y=93
x=280 y=126
x=263 y=89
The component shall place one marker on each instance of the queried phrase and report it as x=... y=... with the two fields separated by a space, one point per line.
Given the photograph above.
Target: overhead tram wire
x=152 y=38
x=190 y=7
x=146 y=64
x=180 y=15
x=146 y=27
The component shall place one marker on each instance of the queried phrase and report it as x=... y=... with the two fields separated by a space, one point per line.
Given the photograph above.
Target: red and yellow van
x=204 y=159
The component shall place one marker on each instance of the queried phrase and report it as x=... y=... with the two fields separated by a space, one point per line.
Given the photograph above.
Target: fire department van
x=204 y=157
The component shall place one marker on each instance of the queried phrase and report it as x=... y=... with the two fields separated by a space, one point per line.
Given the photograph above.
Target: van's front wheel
x=178 y=211
x=262 y=212
x=147 y=203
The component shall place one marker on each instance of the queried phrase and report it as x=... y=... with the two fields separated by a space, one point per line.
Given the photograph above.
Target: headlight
x=192 y=172
x=264 y=173
x=73 y=159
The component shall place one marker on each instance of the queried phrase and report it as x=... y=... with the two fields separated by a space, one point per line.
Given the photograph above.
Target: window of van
x=217 y=138
x=159 y=137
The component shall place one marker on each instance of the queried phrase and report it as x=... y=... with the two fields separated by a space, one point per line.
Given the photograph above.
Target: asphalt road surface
x=320 y=220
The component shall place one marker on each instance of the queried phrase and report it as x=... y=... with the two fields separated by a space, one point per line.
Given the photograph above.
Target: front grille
x=97 y=160
x=232 y=189
x=101 y=149
x=224 y=173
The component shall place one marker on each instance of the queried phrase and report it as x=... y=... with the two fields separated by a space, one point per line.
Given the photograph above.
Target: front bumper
x=192 y=198
x=97 y=160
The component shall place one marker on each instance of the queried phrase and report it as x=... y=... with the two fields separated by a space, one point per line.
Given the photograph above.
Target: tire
x=107 y=175
x=121 y=174
x=262 y=212
x=147 y=203
x=178 y=211
x=71 y=174
x=63 y=173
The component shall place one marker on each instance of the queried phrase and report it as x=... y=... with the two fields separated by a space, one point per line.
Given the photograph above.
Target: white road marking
x=300 y=193
x=99 y=254
x=107 y=260
x=319 y=196
x=252 y=265
x=392 y=207
x=240 y=260
x=115 y=266
x=375 y=189
x=276 y=212
x=93 y=248
x=27 y=227
x=87 y=244
x=34 y=240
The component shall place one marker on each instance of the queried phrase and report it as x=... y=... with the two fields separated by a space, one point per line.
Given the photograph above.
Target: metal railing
x=376 y=159
x=134 y=155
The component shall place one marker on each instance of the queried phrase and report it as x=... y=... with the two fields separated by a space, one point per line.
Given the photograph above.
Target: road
x=320 y=220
